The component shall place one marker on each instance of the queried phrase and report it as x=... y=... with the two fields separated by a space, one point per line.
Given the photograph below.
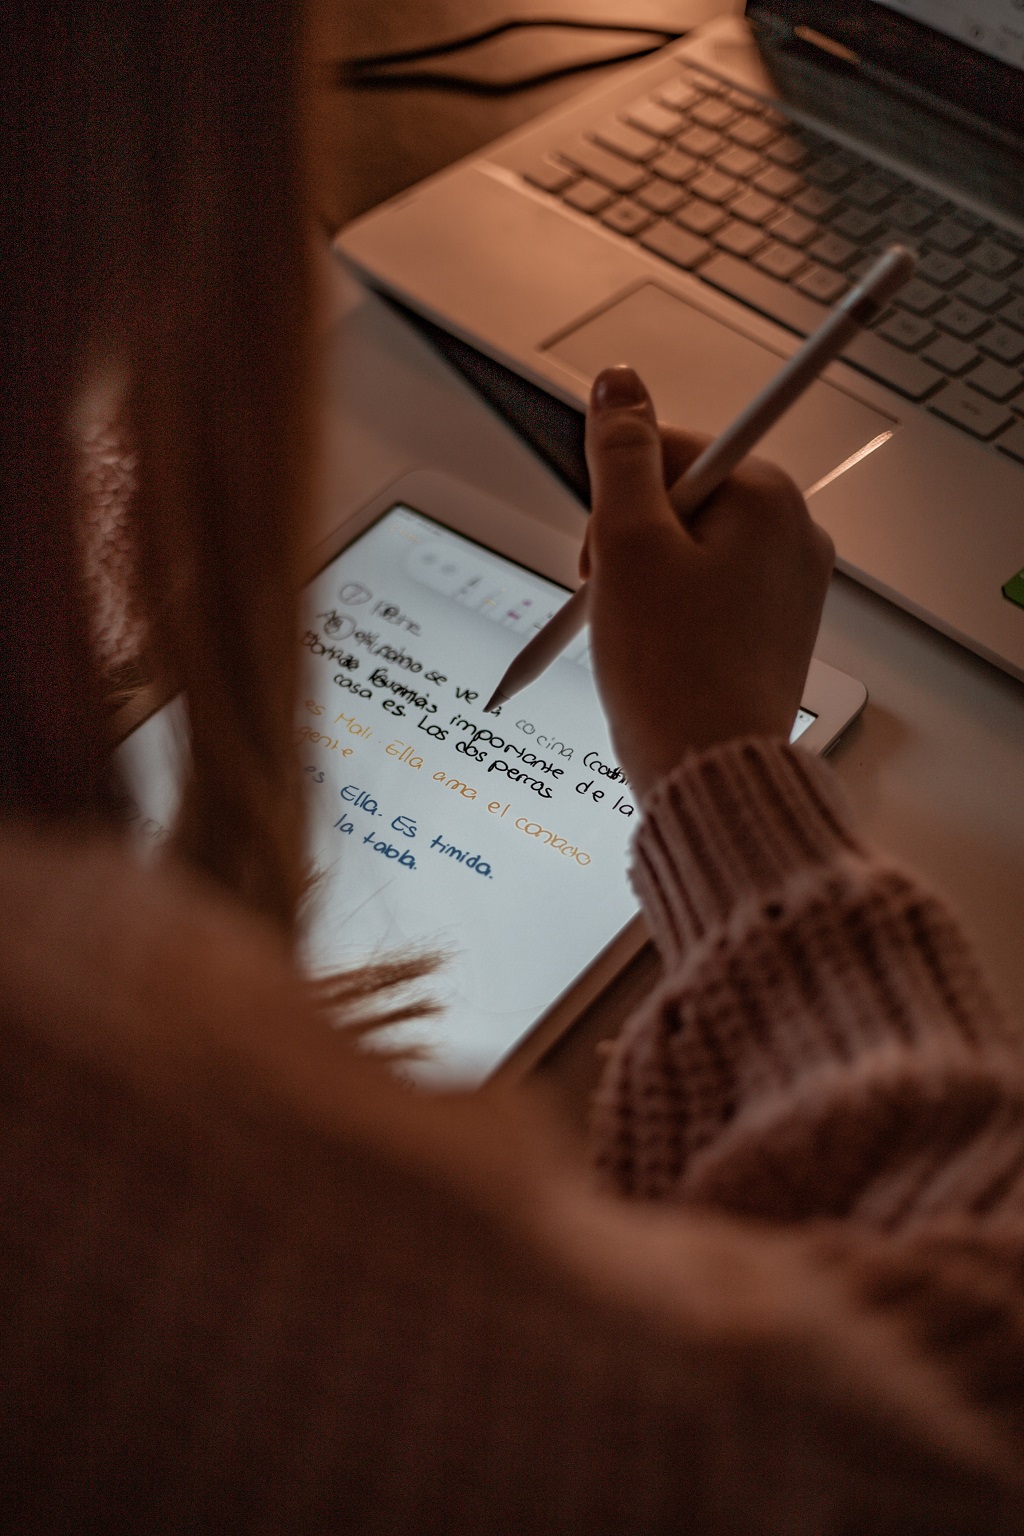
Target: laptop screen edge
x=894 y=46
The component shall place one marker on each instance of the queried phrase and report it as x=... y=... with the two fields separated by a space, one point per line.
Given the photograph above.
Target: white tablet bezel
x=832 y=697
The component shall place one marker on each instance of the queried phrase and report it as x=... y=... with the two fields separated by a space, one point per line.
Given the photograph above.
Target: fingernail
x=618 y=386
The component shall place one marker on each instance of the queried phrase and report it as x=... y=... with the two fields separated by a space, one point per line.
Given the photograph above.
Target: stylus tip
x=497 y=698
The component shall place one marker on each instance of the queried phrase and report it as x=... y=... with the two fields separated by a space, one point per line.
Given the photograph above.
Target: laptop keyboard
x=785 y=220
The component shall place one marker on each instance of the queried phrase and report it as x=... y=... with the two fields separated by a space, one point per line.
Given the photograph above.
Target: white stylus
x=861 y=305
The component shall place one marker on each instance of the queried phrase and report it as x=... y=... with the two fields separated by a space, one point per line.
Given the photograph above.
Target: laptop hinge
x=825 y=44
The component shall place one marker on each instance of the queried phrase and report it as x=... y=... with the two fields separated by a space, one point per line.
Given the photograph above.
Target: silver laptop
x=695 y=218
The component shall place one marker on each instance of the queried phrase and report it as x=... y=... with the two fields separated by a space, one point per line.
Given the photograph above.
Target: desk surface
x=370 y=145
x=935 y=767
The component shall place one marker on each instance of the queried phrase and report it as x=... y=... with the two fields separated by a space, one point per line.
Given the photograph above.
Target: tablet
x=500 y=841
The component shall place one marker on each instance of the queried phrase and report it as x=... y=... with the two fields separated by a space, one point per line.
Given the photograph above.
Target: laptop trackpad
x=701 y=372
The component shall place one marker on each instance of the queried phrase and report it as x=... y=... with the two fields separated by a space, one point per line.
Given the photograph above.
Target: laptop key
x=993 y=259
x=604 y=166
x=713 y=113
x=548 y=174
x=794 y=229
x=936 y=201
x=902 y=371
x=983 y=292
x=908 y=331
x=737 y=161
x=920 y=296
x=701 y=142
x=755 y=207
x=937 y=267
x=793 y=309
x=951 y=236
x=778 y=182
x=1013 y=313
x=776 y=300
x=854 y=163
x=815 y=203
x=742 y=100
x=1003 y=342
x=632 y=143
x=857 y=224
x=715 y=187
x=675 y=166
x=626 y=217
x=975 y=221
x=787 y=150
x=961 y=319
x=742 y=239
x=822 y=284
x=588 y=196
x=701 y=217
x=675 y=244
x=966 y=408
x=909 y=214
x=869 y=192
x=751 y=132
x=780 y=260
x=1012 y=441
x=995 y=379
x=654 y=118
x=950 y=355
x=661 y=196
x=816 y=142
x=708 y=83
x=834 y=171
x=833 y=250
x=679 y=94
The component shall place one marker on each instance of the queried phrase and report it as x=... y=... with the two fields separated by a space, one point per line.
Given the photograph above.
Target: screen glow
x=500 y=842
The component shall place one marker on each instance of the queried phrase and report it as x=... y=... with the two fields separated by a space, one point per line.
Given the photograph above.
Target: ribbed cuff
x=732 y=824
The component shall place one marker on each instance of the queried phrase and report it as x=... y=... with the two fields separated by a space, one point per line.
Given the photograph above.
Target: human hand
x=699 y=633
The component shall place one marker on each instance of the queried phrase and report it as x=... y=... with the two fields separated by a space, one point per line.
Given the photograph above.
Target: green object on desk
x=1014 y=589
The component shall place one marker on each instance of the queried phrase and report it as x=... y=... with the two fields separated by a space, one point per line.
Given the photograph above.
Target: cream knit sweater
x=249 y=1284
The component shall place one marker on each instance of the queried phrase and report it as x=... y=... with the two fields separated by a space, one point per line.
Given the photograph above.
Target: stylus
x=861 y=305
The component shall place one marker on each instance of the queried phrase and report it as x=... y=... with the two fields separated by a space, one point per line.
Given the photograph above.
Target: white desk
x=935 y=768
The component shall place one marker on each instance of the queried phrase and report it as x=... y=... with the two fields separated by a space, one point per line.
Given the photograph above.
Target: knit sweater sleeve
x=822 y=1043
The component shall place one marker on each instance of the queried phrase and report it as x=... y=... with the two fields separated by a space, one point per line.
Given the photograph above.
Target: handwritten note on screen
x=499 y=841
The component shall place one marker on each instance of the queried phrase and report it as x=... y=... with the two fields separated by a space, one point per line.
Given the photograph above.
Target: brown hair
x=156 y=164
x=155 y=158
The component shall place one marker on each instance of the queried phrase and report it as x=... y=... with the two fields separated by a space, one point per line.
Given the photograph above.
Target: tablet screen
x=499 y=842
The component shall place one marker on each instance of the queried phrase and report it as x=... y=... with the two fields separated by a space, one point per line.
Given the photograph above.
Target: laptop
x=696 y=217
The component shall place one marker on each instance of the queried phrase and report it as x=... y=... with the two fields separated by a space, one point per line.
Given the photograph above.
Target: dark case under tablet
x=553 y=429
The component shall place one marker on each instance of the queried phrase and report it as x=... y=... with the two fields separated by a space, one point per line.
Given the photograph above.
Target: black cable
x=375 y=71
x=471 y=39
x=436 y=80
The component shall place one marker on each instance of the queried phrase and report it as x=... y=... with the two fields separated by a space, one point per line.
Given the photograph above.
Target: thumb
x=624 y=456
